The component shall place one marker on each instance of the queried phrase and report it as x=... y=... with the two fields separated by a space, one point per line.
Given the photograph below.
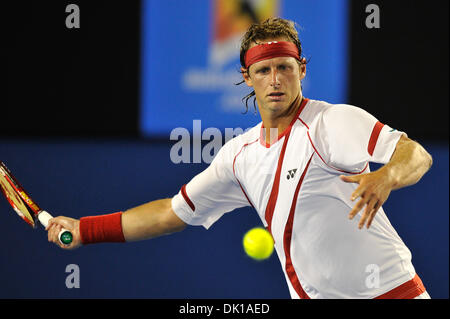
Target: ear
x=303 y=69
x=246 y=76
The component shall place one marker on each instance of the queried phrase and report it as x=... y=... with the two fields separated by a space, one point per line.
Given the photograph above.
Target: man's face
x=276 y=81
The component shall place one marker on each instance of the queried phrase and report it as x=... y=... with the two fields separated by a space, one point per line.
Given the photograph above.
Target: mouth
x=275 y=96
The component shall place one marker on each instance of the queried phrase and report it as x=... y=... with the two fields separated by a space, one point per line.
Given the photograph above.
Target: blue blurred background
x=191 y=71
x=88 y=112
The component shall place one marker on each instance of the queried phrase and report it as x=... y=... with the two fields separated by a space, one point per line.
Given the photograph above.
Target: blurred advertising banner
x=190 y=59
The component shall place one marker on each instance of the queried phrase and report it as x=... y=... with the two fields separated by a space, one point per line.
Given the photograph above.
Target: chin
x=277 y=107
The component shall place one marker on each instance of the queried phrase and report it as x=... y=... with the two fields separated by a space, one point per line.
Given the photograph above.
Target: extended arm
x=409 y=162
x=151 y=220
x=146 y=221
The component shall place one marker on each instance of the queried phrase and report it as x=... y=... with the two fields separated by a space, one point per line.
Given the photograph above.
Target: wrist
x=391 y=175
x=101 y=229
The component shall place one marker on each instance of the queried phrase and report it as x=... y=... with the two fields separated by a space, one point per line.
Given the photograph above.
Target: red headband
x=270 y=50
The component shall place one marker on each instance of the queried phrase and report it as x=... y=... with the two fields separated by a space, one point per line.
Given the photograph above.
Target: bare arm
x=151 y=220
x=146 y=221
x=409 y=162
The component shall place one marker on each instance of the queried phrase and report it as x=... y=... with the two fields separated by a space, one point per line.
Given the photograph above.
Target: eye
x=284 y=67
x=263 y=70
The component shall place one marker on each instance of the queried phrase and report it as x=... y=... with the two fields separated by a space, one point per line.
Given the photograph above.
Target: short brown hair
x=270 y=28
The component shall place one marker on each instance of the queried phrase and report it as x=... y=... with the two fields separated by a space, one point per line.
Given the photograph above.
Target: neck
x=276 y=124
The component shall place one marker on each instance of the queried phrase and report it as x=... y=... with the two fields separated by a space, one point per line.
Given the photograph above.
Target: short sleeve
x=349 y=137
x=210 y=194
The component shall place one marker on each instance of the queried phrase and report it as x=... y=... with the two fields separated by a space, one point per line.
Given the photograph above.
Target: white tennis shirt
x=294 y=186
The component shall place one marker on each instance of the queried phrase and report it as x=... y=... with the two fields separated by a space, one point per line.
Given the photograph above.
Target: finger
x=54 y=231
x=373 y=213
x=370 y=218
x=358 y=192
x=370 y=204
x=51 y=223
x=51 y=233
x=359 y=205
x=63 y=222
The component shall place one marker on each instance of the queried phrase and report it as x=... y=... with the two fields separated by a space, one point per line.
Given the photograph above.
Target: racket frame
x=36 y=210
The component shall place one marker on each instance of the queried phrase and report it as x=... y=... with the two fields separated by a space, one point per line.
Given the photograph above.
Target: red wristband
x=102 y=229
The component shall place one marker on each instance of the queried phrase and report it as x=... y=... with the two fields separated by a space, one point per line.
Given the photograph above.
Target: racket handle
x=65 y=236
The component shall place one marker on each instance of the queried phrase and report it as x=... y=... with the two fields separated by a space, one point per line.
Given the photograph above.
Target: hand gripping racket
x=24 y=206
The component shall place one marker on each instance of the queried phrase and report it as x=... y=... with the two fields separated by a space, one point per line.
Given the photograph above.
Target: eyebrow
x=260 y=67
x=263 y=66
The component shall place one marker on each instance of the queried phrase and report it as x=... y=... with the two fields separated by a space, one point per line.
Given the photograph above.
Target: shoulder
x=347 y=119
x=313 y=111
x=332 y=115
x=327 y=109
x=343 y=112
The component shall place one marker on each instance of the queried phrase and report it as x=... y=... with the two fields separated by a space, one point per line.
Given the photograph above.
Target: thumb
x=351 y=178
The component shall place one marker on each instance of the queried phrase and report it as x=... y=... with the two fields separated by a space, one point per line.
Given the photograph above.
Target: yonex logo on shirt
x=291 y=173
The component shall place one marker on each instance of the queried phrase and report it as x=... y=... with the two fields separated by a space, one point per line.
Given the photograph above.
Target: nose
x=274 y=79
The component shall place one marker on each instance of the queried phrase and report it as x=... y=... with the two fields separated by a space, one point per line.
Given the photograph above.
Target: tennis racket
x=24 y=206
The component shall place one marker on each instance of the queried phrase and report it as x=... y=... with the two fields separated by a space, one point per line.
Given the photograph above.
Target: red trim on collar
x=262 y=139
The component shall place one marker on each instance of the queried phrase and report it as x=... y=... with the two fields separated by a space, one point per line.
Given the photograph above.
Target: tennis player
x=310 y=184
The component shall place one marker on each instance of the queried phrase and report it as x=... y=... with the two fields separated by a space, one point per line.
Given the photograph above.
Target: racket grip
x=65 y=236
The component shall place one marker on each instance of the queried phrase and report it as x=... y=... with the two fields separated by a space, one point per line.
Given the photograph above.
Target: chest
x=268 y=172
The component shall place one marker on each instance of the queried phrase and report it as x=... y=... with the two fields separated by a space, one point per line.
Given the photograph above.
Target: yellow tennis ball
x=258 y=243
